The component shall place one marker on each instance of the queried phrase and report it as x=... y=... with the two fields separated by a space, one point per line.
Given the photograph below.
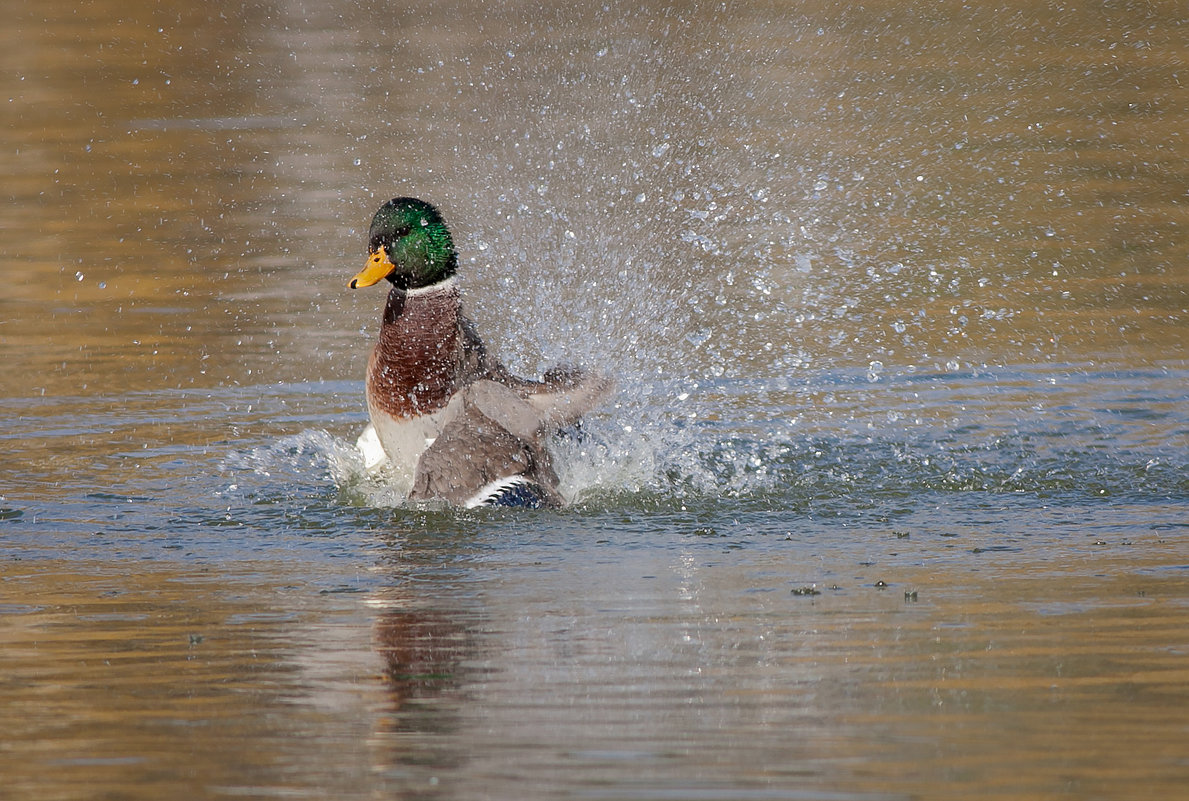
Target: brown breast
x=419 y=361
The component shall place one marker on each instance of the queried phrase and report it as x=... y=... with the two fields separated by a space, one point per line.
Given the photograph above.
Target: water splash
x=839 y=444
x=802 y=283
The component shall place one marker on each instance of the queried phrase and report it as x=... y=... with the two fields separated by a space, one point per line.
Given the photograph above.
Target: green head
x=409 y=245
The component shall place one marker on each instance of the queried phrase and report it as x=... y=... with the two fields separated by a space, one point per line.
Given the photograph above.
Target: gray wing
x=565 y=394
x=494 y=431
x=490 y=435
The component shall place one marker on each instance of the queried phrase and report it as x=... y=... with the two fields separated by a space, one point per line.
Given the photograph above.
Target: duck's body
x=422 y=358
x=449 y=417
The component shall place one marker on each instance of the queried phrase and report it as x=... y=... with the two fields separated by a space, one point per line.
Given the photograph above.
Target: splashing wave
x=840 y=440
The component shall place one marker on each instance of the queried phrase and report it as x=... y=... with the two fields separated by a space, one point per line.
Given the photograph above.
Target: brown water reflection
x=693 y=675
x=185 y=187
x=192 y=605
x=161 y=682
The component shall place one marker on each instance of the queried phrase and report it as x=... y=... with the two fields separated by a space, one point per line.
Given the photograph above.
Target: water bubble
x=79 y=276
x=660 y=150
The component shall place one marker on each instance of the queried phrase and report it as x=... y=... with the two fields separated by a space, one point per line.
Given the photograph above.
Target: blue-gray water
x=892 y=500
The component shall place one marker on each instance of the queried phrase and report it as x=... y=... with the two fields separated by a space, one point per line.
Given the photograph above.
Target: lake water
x=892 y=500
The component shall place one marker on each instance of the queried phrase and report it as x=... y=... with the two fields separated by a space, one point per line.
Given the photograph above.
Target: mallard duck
x=443 y=410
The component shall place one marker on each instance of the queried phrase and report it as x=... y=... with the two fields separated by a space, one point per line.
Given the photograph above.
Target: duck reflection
x=425 y=653
x=422 y=651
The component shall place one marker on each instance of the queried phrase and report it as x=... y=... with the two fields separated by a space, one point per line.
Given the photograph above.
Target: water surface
x=893 y=499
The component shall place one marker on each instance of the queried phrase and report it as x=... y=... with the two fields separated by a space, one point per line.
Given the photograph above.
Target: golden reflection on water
x=752 y=192
x=185 y=188
x=156 y=683
x=167 y=682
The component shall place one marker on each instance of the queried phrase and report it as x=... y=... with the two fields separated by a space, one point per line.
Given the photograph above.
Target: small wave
x=810 y=445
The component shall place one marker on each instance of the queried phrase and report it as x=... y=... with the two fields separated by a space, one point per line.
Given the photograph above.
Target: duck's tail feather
x=512 y=491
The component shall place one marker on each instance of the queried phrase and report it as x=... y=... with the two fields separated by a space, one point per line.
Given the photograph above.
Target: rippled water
x=892 y=500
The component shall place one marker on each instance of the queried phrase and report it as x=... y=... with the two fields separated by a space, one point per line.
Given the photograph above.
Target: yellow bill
x=377 y=269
